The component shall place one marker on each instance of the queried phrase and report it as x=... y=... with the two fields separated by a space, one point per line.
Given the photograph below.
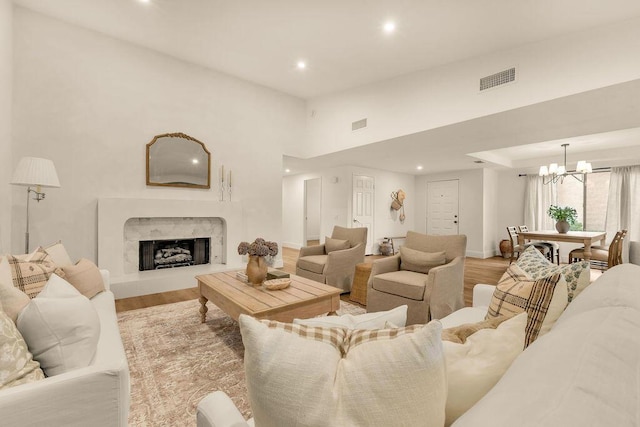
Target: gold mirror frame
x=168 y=159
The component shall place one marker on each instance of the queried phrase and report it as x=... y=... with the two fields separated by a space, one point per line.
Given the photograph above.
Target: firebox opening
x=158 y=254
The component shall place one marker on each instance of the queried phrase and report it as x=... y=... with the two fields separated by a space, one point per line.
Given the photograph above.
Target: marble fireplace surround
x=114 y=213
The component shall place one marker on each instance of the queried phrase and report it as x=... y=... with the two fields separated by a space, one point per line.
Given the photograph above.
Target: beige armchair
x=328 y=264
x=433 y=295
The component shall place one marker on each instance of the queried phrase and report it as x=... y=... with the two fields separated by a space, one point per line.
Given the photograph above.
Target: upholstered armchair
x=334 y=261
x=427 y=275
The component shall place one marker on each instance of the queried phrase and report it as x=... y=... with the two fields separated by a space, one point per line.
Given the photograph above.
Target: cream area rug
x=175 y=361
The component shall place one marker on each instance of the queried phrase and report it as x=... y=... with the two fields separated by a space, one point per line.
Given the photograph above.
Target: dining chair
x=513 y=237
x=554 y=248
x=602 y=255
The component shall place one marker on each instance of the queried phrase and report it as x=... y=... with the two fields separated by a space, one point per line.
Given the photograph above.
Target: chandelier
x=556 y=172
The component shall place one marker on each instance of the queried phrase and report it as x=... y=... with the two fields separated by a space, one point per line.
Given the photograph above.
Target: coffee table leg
x=203 y=309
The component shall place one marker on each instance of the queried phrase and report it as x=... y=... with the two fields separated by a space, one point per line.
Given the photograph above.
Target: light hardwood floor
x=476 y=270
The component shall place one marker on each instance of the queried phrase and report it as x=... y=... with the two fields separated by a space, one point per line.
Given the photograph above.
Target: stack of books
x=277 y=274
x=242 y=276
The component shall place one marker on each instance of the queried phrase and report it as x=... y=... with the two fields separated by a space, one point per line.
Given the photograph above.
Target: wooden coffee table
x=303 y=299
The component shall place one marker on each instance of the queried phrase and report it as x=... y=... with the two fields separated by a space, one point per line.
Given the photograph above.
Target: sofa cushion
x=16 y=363
x=12 y=299
x=418 y=261
x=331 y=245
x=313 y=263
x=377 y=320
x=299 y=375
x=577 y=275
x=61 y=327
x=32 y=274
x=543 y=300
x=85 y=277
x=475 y=366
x=407 y=284
x=59 y=254
x=459 y=334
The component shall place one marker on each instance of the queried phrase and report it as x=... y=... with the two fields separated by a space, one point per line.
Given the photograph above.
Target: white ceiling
x=344 y=47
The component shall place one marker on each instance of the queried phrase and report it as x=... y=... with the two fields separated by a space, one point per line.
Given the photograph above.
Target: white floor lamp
x=34 y=172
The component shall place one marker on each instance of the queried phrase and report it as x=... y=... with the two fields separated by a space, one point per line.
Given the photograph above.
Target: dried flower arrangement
x=259 y=247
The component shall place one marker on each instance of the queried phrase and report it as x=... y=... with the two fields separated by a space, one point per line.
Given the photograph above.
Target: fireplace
x=159 y=254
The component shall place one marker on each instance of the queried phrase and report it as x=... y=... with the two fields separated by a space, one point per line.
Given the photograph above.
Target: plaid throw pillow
x=31 y=275
x=543 y=300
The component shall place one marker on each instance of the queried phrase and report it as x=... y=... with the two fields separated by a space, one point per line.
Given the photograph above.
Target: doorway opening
x=312 y=211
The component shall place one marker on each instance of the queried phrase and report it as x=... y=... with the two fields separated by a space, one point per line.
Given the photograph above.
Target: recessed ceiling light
x=195 y=161
x=419 y=168
x=301 y=65
x=287 y=170
x=144 y=1
x=389 y=27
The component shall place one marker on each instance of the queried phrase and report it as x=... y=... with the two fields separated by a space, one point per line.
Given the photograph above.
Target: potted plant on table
x=257 y=266
x=565 y=217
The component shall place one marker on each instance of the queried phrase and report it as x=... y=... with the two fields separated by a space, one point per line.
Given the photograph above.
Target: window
x=589 y=198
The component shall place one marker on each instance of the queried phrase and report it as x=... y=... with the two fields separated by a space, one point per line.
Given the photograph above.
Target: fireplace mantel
x=113 y=214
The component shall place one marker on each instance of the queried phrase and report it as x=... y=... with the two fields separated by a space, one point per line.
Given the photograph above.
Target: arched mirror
x=178 y=160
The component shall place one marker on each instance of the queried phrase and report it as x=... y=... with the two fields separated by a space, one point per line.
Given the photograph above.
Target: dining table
x=587 y=238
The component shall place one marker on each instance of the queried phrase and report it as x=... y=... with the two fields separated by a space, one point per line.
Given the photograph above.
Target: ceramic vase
x=256 y=270
x=562 y=227
x=505 y=248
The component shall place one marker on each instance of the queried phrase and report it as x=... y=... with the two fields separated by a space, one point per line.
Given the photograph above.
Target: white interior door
x=312 y=191
x=363 y=199
x=442 y=207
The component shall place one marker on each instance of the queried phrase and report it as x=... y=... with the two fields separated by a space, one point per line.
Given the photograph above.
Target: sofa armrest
x=312 y=250
x=445 y=288
x=217 y=410
x=482 y=295
x=384 y=265
x=106 y=279
x=86 y=396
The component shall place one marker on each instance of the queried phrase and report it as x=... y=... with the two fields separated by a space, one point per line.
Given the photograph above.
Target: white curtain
x=538 y=197
x=623 y=206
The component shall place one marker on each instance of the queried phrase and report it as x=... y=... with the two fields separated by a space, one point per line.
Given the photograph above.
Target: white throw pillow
x=474 y=367
x=61 y=327
x=376 y=320
x=299 y=375
x=59 y=254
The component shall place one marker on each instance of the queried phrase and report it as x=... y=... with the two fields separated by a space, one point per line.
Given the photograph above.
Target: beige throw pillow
x=12 y=299
x=376 y=320
x=16 y=363
x=331 y=245
x=31 y=276
x=543 y=300
x=298 y=375
x=85 y=277
x=59 y=254
x=420 y=262
x=459 y=334
x=474 y=367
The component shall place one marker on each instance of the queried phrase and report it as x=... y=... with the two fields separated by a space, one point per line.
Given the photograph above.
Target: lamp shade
x=35 y=171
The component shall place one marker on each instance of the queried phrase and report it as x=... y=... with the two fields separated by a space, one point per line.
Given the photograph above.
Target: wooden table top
x=571 y=236
x=257 y=300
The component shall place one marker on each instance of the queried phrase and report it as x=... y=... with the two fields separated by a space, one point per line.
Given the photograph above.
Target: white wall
x=313 y=206
x=489 y=213
x=91 y=103
x=470 y=208
x=6 y=163
x=337 y=201
x=449 y=94
x=510 y=202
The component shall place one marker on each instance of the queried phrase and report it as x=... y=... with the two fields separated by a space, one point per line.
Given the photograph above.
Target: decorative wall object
x=178 y=160
x=397 y=203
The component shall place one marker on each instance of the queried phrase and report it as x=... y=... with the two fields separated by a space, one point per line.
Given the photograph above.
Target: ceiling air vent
x=359 y=124
x=497 y=79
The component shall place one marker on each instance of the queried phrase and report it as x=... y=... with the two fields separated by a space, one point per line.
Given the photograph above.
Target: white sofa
x=585 y=371
x=98 y=395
